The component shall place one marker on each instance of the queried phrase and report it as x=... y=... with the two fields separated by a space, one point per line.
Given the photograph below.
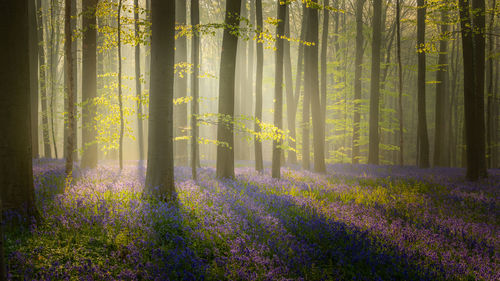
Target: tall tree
x=16 y=174
x=373 y=152
x=312 y=87
x=306 y=103
x=357 y=80
x=278 y=88
x=68 y=55
x=67 y=134
x=120 y=95
x=324 y=69
x=440 y=156
x=33 y=55
x=47 y=151
x=89 y=83
x=181 y=85
x=291 y=105
x=400 y=82
x=225 y=132
x=490 y=79
x=138 y=86
x=195 y=59
x=160 y=169
x=259 y=165
x=422 y=137
x=54 y=60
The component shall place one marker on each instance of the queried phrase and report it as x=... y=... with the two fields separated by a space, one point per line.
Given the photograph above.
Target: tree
x=306 y=103
x=195 y=58
x=16 y=174
x=120 y=98
x=259 y=165
x=47 y=151
x=422 y=138
x=440 y=157
x=357 y=80
x=181 y=85
x=138 y=86
x=68 y=134
x=225 y=133
x=490 y=79
x=278 y=88
x=373 y=152
x=324 y=69
x=89 y=84
x=33 y=54
x=312 y=88
x=291 y=102
x=68 y=55
x=160 y=169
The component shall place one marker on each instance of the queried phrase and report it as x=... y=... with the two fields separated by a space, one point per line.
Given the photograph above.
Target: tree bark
x=259 y=165
x=69 y=145
x=278 y=89
x=400 y=83
x=373 y=153
x=120 y=95
x=160 y=169
x=16 y=174
x=225 y=126
x=291 y=107
x=33 y=55
x=74 y=88
x=47 y=151
x=324 y=69
x=195 y=58
x=89 y=84
x=357 y=80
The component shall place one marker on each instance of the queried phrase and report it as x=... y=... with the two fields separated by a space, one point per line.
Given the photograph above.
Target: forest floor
x=358 y=222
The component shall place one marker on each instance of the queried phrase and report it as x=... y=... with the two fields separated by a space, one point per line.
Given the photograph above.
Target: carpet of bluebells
x=358 y=222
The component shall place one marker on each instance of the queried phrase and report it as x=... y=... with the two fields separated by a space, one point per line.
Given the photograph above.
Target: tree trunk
x=33 y=55
x=291 y=107
x=423 y=139
x=225 y=127
x=73 y=90
x=89 y=84
x=441 y=96
x=69 y=144
x=160 y=169
x=195 y=59
x=312 y=88
x=54 y=58
x=138 y=85
x=278 y=89
x=16 y=174
x=357 y=80
x=373 y=153
x=324 y=69
x=259 y=165
x=180 y=90
x=47 y=151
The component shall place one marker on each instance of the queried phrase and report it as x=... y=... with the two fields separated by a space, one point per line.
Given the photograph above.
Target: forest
x=250 y=140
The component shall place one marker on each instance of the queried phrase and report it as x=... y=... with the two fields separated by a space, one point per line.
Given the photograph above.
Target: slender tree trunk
x=138 y=85
x=278 y=89
x=357 y=80
x=180 y=90
x=47 y=151
x=33 y=55
x=423 y=139
x=54 y=57
x=225 y=128
x=373 y=153
x=441 y=95
x=120 y=98
x=16 y=173
x=89 y=84
x=259 y=165
x=400 y=83
x=195 y=58
x=73 y=90
x=291 y=107
x=312 y=88
x=490 y=117
x=160 y=169
x=68 y=54
x=324 y=69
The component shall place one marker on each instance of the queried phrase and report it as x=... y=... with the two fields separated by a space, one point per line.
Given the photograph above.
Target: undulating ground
x=356 y=223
